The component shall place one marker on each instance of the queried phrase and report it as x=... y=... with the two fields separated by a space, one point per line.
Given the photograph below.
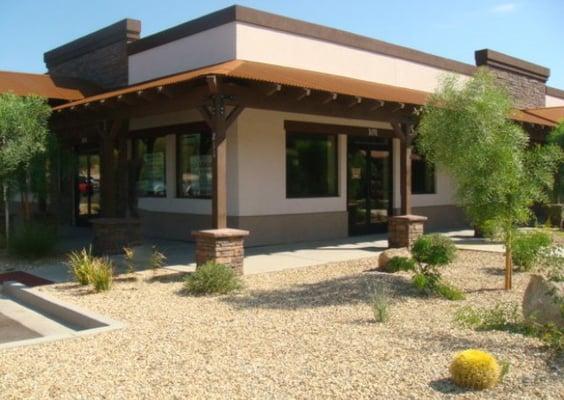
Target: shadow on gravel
x=447 y=386
x=354 y=289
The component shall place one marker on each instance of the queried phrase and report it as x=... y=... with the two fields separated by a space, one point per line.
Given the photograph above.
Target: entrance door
x=369 y=184
x=88 y=187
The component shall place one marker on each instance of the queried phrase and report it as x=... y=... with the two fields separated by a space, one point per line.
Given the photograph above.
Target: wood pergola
x=220 y=93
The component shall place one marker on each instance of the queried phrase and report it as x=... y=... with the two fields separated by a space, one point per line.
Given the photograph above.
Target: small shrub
x=506 y=317
x=33 y=240
x=475 y=369
x=503 y=316
x=212 y=278
x=157 y=260
x=380 y=304
x=527 y=247
x=435 y=250
x=398 y=263
x=129 y=255
x=449 y=292
x=80 y=263
x=431 y=252
x=101 y=274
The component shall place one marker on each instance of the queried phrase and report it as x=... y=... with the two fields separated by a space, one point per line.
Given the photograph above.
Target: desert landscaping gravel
x=305 y=333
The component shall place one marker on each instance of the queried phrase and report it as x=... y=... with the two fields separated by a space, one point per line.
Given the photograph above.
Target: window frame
x=135 y=154
x=309 y=134
x=420 y=158
x=191 y=129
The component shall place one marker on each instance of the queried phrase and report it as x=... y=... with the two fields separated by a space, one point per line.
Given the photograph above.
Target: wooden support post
x=108 y=181
x=219 y=121
x=405 y=133
x=405 y=177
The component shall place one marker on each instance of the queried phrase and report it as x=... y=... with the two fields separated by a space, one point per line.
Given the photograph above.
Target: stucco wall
x=274 y=47
x=552 y=101
x=205 y=48
x=242 y=41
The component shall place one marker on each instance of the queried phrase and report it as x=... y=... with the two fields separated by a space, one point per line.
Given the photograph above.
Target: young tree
x=466 y=128
x=557 y=138
x=23 y=135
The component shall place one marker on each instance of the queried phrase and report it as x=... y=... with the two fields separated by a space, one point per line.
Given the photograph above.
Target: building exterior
x=244 y=119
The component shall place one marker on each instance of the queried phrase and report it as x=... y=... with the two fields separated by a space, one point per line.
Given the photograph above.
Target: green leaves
x=23 y=130
x=466 y=128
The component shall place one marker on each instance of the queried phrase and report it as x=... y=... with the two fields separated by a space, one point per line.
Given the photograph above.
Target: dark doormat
x=23 y=277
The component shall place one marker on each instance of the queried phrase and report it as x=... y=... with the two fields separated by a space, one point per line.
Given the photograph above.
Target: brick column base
x=223 y=246
x=403 y=230
x=111 y=235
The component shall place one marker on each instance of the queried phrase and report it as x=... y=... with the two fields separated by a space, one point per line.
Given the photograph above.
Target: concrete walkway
x=181 y=255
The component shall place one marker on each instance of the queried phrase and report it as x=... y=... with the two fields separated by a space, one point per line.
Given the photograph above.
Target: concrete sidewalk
x=181 y=255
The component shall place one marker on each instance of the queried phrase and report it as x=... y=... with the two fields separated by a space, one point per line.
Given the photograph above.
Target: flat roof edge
x=555 y=92
x=251 y=16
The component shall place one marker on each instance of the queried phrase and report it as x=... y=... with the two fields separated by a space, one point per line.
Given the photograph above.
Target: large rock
x=542 y=302
x=387 y=255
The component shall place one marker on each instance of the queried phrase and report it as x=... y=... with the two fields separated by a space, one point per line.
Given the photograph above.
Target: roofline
x=516 y=65
x=126 y=29
x=555 y=92
x=252 y=16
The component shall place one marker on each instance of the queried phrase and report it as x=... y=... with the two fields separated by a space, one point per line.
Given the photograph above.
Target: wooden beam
x=304 y=93
x=273 y=88
x=355 y=101
x=108 y=181
x=329 y=98
x=213 y=82
x=377 y=105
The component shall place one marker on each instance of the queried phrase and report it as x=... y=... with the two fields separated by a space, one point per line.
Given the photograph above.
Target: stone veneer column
x=111 y=235
x=223 y=246
x=403 y=230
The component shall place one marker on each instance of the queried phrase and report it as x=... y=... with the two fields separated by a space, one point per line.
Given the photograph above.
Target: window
x=422 y=176
x=311 y=165
x=194 y=165
x=152 y=178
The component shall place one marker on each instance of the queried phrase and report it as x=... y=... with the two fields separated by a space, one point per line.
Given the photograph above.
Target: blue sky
x=528 y=29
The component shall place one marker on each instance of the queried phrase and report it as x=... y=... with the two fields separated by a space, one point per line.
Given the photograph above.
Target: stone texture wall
x=223 y=246
x=106 y=66
x=404 y=230
x=527 y=92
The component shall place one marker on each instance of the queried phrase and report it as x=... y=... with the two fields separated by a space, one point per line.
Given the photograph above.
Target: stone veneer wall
x=527 y=92
x=525 y=81
x=106 y=67
x=99 y=57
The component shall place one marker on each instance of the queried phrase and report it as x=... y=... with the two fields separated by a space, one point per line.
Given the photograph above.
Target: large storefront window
x=311 y=165
x=152 y=178
x=422 y=176
x=194 y=165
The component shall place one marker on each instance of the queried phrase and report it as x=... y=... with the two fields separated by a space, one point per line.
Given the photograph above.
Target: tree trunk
x=508 y=267
x=6 y=212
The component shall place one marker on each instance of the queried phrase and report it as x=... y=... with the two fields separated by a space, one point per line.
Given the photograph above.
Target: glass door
x=369 y=184
x=88 y=188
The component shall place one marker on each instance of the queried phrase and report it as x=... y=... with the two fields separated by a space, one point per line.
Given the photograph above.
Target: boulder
x=542 y=302
x=387 y=255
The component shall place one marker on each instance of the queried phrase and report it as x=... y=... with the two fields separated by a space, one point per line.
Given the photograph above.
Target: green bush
x=449 y=292
x=398 y=263
x=434 y=249
x=101 y=274
x=527 y=247
x=431 y=252
x=506 y=317
x=80 y=263
x=33 y=240
x=212 y=278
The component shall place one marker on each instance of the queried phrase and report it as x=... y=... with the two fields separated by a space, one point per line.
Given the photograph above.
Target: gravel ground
x=304 y=333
